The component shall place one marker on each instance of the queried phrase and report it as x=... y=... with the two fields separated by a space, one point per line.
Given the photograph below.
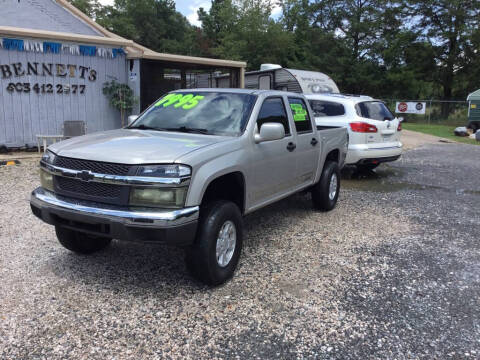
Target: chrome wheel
x=332 y=190
x=226 y=241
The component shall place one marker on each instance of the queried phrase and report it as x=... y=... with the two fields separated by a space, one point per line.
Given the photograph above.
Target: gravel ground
x=393 y=272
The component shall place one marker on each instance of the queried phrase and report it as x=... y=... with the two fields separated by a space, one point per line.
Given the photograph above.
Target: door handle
x=291 y=146
x=314 y=142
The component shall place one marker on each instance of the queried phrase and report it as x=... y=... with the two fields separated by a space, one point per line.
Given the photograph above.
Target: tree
x=243 y=30
x=153 y=23
x=449 y=26
x=89 y=7
x=358 y=26
x=120 y=96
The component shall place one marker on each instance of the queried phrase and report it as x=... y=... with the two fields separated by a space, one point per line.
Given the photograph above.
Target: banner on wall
x=410 y=107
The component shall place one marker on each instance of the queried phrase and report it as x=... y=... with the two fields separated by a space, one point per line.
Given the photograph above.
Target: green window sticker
x=299 y=112
x=185 y=101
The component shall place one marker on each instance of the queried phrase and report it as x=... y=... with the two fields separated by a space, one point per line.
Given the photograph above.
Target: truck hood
x=134 y=146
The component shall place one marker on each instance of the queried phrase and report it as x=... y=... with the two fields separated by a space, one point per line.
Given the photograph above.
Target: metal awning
x=474 y=96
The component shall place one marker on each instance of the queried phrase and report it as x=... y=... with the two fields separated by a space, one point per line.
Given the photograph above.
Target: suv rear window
x=326 y=108
x=375 y=110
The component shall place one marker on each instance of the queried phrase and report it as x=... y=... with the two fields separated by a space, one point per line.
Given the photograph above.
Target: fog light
x=46 y=180
x=158 y=197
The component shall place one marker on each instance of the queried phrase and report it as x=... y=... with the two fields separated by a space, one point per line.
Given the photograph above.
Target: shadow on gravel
x=128 y=268
x=386 y=179
x=155 y=268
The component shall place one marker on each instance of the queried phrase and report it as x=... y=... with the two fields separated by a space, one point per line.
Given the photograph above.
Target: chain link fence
x=452 y=113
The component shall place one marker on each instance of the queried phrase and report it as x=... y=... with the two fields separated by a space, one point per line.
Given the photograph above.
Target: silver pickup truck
x=186 y=171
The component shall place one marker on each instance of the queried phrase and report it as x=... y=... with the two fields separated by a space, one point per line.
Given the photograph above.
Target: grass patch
x=444 y=131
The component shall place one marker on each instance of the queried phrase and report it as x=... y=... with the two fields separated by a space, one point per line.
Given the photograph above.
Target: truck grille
x=94 y=166
x=92 y=189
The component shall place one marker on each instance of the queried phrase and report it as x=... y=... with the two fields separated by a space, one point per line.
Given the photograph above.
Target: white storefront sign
x=409 y=107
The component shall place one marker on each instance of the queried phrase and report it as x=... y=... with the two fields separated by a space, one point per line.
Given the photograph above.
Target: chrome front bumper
x=177 y=227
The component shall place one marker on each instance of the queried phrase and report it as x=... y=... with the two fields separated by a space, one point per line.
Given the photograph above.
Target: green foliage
x=444 y=131
x=89 y=7
x=385 y=48
x=120 y=96
x=152 y=23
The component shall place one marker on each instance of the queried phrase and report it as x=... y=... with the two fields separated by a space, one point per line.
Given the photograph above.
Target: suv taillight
x=399 y=126
x=363 y=127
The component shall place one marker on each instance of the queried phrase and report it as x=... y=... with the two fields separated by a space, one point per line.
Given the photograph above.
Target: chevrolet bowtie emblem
x=85 y=175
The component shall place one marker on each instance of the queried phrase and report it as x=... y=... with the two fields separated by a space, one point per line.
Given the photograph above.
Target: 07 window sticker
x=185 y=101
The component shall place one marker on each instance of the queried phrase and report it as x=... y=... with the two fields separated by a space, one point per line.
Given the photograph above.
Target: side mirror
x=131 y=119
x=270 y=132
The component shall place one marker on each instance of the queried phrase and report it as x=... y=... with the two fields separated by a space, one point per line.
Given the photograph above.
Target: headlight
x=158 y=197
x=165 y=171
x=48 y=157
x=46 y=179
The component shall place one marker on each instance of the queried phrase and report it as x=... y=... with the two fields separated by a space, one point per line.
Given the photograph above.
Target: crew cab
x=186 y=171
x=374 y=132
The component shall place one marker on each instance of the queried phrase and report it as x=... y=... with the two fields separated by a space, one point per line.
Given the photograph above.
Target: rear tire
x=79 y=242
x=367 y=167
x=325 y=192
x=215 y=255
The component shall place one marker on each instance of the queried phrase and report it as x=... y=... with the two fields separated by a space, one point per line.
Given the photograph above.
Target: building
x=54 y=61
x=474 y=110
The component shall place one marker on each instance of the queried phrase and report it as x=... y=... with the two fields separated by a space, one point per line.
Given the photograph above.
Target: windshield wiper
x=189 y=130
x=146 y=127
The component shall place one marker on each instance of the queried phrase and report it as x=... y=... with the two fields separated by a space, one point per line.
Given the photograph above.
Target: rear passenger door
x=308 y=144
x=272 y=164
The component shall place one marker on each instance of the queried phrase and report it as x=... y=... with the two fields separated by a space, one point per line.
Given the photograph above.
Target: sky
x=189 y=8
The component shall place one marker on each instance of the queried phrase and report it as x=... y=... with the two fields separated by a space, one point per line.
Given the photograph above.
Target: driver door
x=273 y=162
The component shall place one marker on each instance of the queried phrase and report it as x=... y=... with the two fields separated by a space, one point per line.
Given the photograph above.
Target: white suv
x=374 y=131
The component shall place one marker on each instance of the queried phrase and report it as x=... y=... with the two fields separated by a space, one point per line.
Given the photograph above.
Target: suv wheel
x=325 y=192
x=80 y=242
x=215 y=255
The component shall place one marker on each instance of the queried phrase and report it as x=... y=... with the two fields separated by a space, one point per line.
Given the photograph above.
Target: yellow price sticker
x=186 y=101
x=299 y=113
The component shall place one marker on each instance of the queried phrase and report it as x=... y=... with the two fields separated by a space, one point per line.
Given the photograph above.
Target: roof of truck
x=241 y=91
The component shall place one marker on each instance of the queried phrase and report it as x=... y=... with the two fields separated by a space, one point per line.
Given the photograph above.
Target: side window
x=300 y=115
x=326 y=108
x=273 y=110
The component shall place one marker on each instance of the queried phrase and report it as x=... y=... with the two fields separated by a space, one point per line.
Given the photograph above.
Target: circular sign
x=419 y=106
x=402 y=107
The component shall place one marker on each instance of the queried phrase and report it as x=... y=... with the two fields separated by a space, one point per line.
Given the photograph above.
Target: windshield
x=216 y=113
x=375 y=110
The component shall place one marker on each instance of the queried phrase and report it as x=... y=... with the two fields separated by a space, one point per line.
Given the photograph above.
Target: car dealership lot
x=392 y=272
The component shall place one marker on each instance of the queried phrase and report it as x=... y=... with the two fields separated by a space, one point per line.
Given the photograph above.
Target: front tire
x=325 y=192
x=79 y=242
x=215 y=255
